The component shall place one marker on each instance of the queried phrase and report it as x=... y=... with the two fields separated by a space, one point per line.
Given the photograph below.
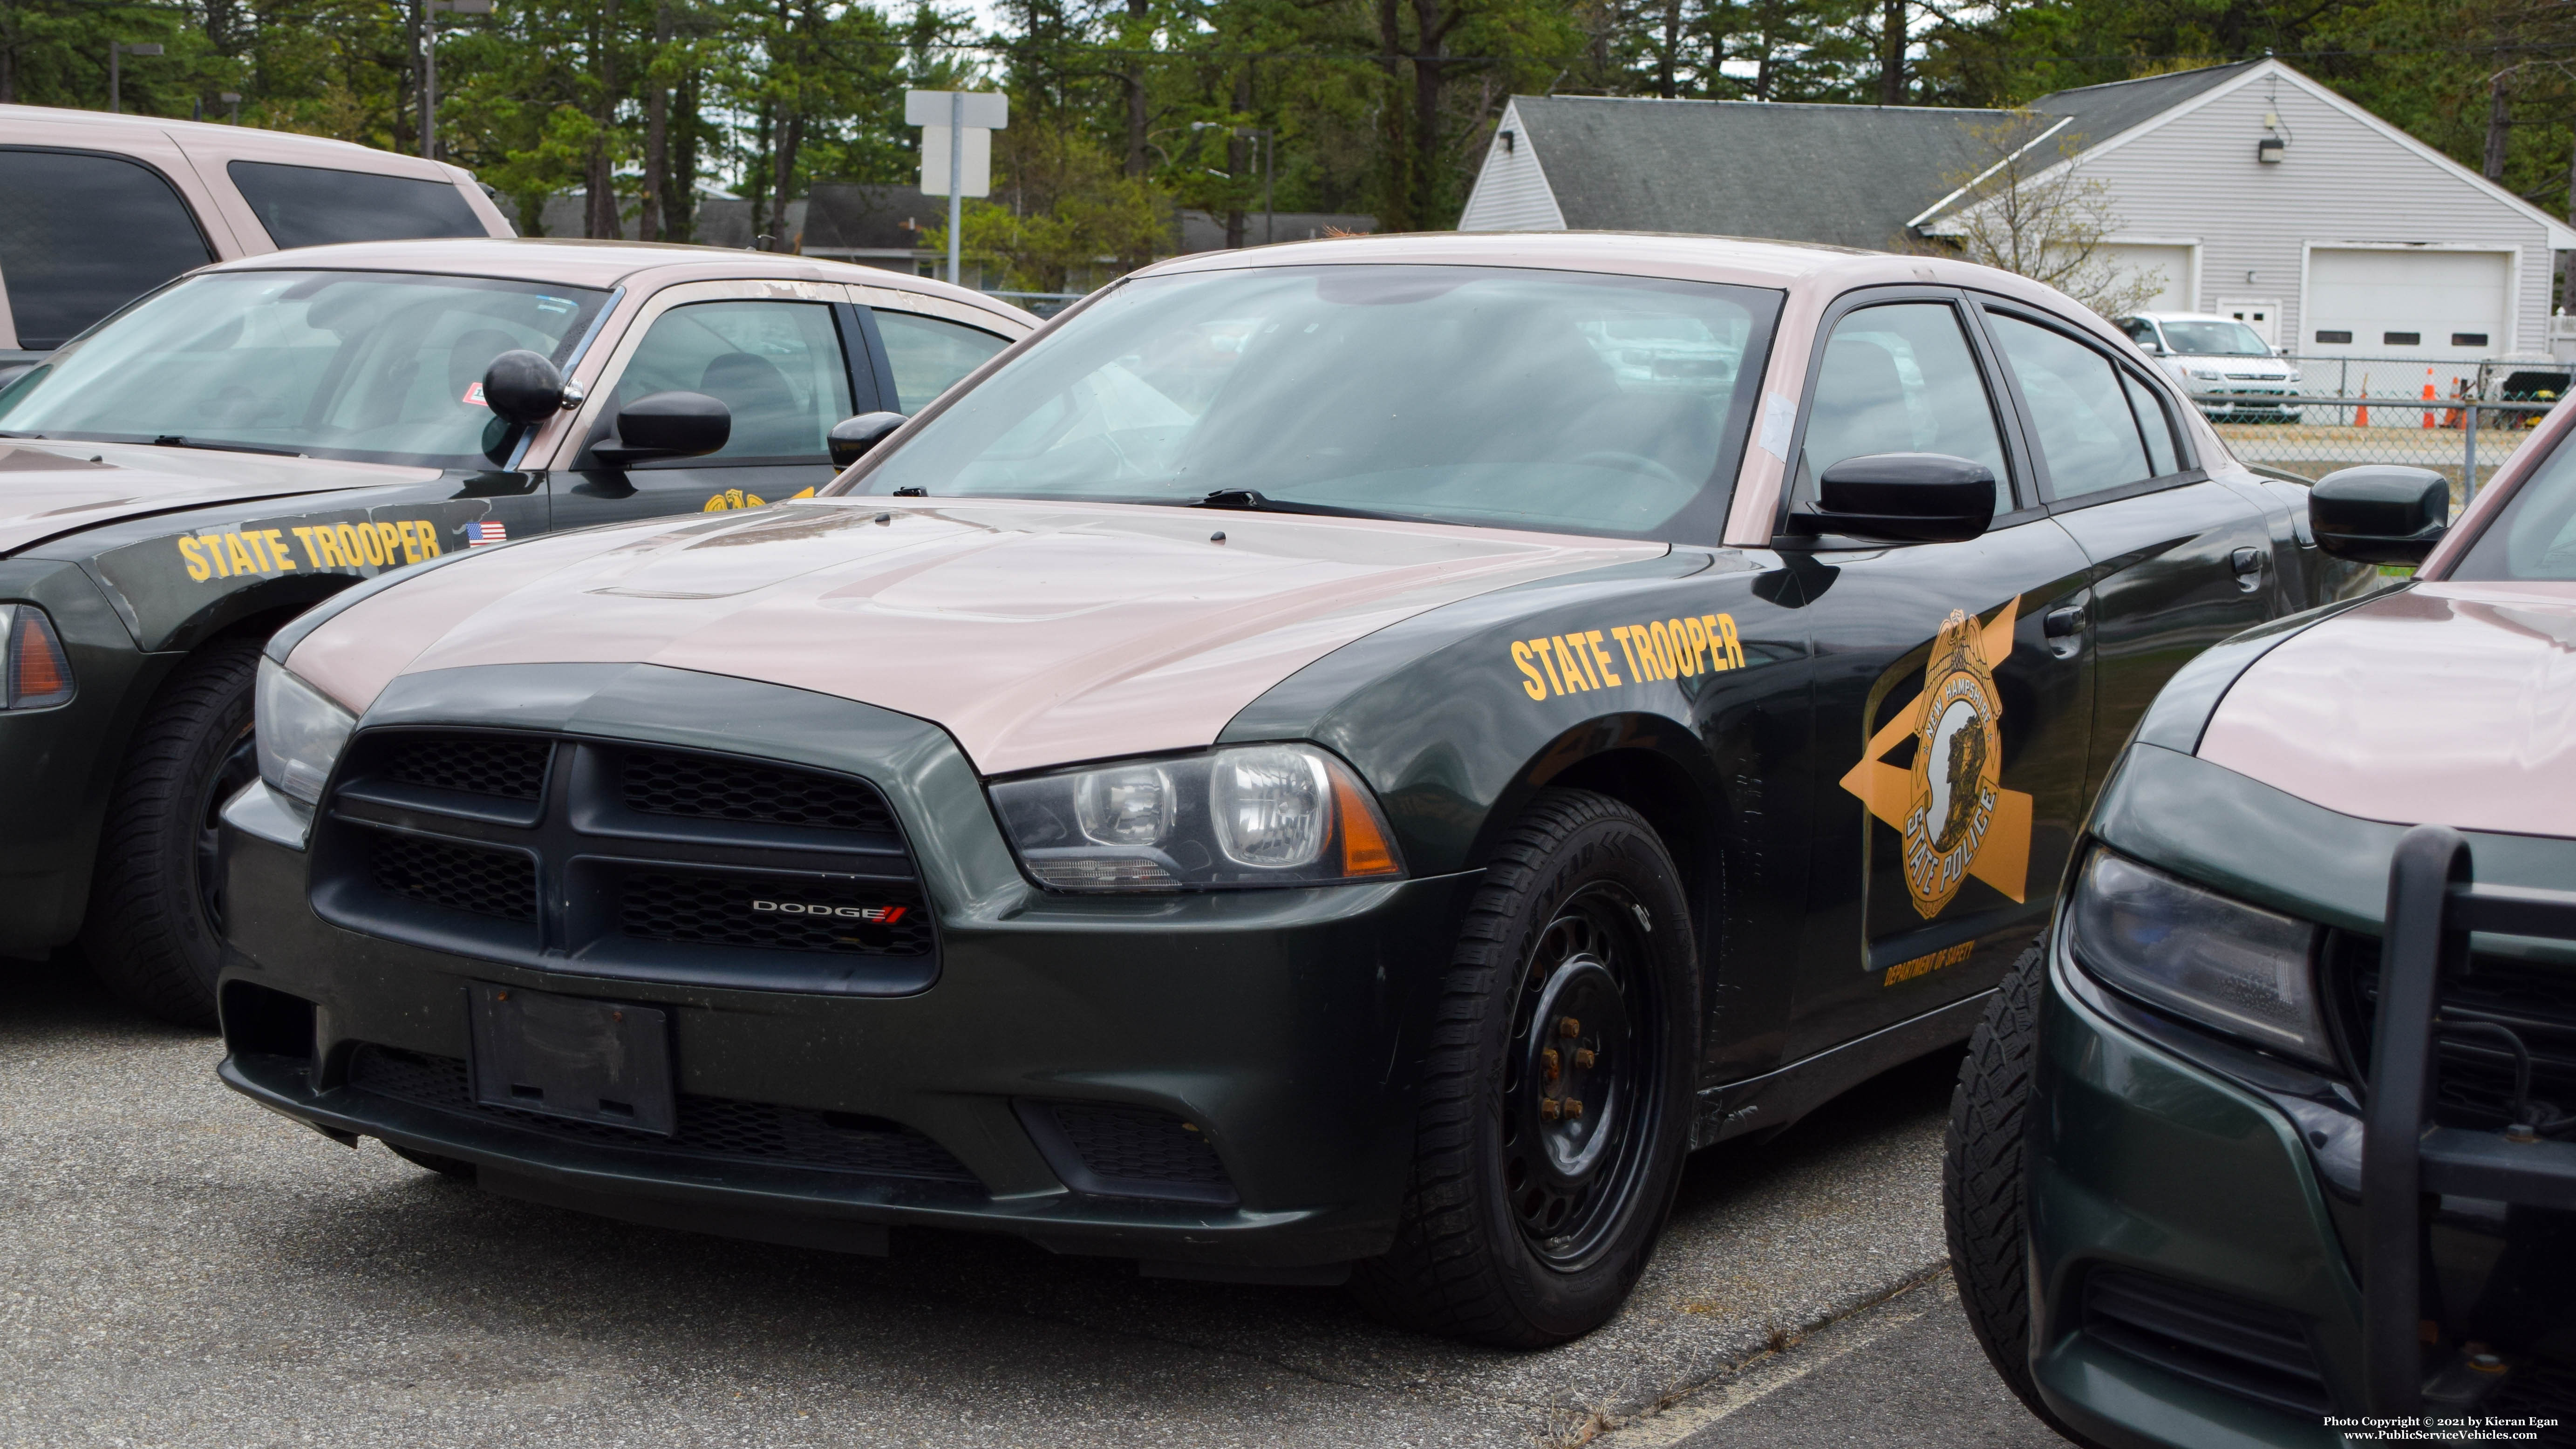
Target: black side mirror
x=852 y=437
x=666 y=425
x=523 y=387
x=2380 y=513
x=1909 y=497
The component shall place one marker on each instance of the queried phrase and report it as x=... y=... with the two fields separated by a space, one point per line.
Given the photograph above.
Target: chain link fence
x=2464 y=420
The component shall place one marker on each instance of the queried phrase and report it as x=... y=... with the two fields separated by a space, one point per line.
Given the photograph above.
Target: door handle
x=2249 y=568
x=2063 y=623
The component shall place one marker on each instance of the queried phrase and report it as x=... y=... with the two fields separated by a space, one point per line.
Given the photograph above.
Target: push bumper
x=1282 y=1026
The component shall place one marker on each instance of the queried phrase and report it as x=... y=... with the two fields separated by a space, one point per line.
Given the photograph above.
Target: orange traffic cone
x=2361 y=415
x=2428 y=396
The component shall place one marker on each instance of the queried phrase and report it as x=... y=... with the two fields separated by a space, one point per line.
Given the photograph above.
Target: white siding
x=1511 y=193
x=2340 y=181
x=2168 y=263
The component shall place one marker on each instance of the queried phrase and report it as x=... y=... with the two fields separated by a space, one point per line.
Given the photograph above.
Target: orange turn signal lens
x=1365 y=849
x=38 y=674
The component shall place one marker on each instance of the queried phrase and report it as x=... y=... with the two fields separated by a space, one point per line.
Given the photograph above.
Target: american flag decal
x=486 y=531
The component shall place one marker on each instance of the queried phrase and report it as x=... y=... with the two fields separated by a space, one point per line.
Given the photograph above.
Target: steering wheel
x=1630 y=463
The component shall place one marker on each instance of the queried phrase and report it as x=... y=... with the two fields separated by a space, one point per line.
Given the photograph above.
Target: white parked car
x=2226 y=367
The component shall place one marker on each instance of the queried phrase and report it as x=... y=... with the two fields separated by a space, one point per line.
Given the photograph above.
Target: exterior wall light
x=2269 y=149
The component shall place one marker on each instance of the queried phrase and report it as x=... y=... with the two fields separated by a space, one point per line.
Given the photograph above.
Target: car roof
x=250 y=143
x=2184 y=317
x=572 y=262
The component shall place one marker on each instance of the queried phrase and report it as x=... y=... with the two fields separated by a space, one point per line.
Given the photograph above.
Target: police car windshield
x=380 y=367
x=1562 y=401
x=2534 y=536
x=2214 y=339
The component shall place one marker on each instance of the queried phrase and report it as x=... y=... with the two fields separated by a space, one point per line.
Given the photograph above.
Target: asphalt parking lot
x=178 y=1266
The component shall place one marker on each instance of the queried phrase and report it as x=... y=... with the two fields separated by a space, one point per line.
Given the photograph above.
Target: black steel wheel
x=1556 y=1099
x=154 y=932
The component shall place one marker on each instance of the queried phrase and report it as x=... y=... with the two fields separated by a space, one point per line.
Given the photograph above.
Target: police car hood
x=2446 y=703
x=48 y=489
x=1036 y=633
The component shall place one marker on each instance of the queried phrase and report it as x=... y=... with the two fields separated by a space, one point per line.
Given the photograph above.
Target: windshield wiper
x=173 y=440
x=1245 y=500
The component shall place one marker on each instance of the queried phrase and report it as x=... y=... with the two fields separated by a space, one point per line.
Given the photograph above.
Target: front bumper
x=1282 y=1025
x=2232 y=1184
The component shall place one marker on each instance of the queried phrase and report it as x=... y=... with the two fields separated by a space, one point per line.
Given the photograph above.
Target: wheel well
x=1661 y=791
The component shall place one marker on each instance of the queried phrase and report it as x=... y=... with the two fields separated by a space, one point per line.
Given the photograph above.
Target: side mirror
x=2380 y=513
x=1908 y=497
x=852 y=437
x=666 y=425
x=523 y=387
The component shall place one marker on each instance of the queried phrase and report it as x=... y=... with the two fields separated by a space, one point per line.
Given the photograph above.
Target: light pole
x=429 y=64
x=116 y=54
x=232 y=103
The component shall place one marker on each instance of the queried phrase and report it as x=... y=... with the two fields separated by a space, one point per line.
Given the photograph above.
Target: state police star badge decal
x=1950 y=806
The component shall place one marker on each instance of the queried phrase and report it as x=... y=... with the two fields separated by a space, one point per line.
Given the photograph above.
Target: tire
x=155 y=927
x=1982 y=1185
x=1521 y=1226
x=451 y=1167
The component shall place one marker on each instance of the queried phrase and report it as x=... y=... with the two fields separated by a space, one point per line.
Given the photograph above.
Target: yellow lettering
x=1535 y=686
x=388 y=540
x=1628 y=647
x=371 y=545
x=1592 y=641
x=195 y=553
x=304 y=536
x=1547 y=656
x=278 y=550
x=1660 y=644
x=1682 y=661
x=239 y=556
x=351 y=555
x=1699 y=643
x=428 y=539
x=259 y=551
x=1734 y=647
x=1571 y=660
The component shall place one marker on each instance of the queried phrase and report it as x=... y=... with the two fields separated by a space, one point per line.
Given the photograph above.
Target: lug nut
x=1548 y=1064
x=1547 y=1108
x=1573 y=1107
x=1569 y=1027
x=1583 y=1057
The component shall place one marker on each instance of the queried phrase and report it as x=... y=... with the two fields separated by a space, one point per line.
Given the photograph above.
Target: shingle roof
x=1847 y=175
x=2104 y=111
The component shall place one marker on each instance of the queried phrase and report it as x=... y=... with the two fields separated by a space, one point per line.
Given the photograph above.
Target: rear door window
x=930 y=354
x=306 y=206
x=2088 y=437
x=82 y=234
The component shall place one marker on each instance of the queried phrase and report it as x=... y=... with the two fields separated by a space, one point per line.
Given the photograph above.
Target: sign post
x=956 y=151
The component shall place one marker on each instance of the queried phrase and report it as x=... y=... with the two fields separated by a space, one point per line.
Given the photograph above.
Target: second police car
x=261 y=434
x=1344 y=760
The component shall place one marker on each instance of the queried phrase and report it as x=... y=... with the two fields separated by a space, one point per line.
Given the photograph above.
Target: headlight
x=301 y=734
x=2246 y=971
x=2295 y=376
x=33 y=671
x=1253 y=815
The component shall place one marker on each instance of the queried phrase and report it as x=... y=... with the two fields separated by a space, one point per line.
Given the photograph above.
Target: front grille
x=656 y=782
x=499 y=883
x=709 y=1127
x=2251 y=1350
x=1130 y=1145
x=2539 y=1390
x=774 y=915
x=625 y=860
x=497 y=765
x=2473 y=1072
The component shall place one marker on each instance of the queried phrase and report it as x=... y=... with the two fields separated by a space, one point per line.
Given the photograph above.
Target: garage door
x=2170 y=266
x=2439 y=306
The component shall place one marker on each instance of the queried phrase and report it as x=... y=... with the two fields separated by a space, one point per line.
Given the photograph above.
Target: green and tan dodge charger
x=1343 y=761
x=254 y=437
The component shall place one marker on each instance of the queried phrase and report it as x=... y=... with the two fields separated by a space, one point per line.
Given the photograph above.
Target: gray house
x=2245 y=189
